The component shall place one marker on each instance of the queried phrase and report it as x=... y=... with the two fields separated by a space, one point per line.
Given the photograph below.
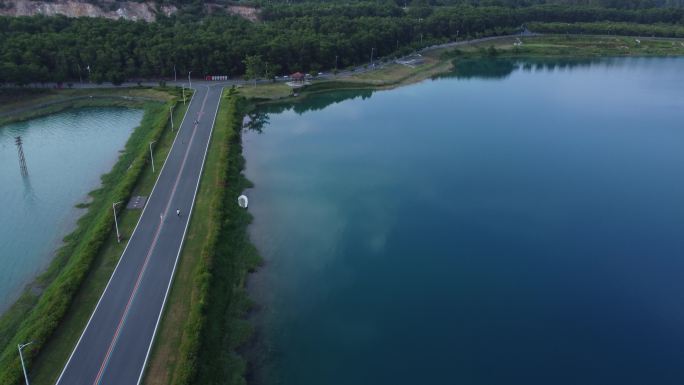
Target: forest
x=310 y=36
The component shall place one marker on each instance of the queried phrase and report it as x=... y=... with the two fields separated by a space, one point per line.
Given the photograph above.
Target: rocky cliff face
x=74 y=8
x=111 y=9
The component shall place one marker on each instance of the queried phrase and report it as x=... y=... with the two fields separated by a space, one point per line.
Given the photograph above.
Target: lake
x=508 y=223
x=65 y=153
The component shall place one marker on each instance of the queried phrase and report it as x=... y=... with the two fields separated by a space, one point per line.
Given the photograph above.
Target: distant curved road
x=116 y=342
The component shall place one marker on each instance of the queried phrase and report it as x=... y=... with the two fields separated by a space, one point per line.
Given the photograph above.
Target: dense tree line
x=621 y=4
x=295 y=37
x=607 y=28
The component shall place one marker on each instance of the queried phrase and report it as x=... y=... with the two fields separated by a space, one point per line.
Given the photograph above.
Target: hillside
x=128 y=10
x=301 y=37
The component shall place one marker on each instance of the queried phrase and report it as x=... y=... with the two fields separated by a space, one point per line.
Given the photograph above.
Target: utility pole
x=151 y=155
x=116 y=222
x=21 y=357
x=22 y=159
x=171 y=116
x=174 y=73
x=189 y=81
x=420 y=22
x=372 y=51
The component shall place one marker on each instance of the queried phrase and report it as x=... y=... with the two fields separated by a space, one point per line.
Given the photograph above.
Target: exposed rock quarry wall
x=74 y=8
x=111 y=9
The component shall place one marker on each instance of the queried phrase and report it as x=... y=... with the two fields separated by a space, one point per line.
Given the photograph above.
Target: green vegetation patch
x=569 y=46
x=20 y=104
x=612 y=28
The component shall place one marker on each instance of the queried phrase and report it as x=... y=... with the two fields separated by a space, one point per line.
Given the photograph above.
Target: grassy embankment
x=203 y=324
x=54 y=309
x=28 y=103
x=660 y=30
x=573 y=46
x=440 y=61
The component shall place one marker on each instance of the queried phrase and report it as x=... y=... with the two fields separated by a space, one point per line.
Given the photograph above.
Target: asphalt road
x=115 y=344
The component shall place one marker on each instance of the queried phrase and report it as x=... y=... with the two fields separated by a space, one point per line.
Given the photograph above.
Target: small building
x=298 y=77
x=297 y=80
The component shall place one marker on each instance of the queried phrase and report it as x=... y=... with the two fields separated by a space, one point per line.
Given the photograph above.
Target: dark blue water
x=66 y=153
x=517 y=228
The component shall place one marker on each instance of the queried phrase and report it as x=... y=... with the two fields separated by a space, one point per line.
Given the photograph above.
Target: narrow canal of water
x=513 y=223
x=65 y=153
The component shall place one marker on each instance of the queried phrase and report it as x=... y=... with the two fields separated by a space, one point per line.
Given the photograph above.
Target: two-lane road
x=115 y=344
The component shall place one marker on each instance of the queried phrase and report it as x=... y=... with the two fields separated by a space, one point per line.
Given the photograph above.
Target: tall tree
x=254 y=67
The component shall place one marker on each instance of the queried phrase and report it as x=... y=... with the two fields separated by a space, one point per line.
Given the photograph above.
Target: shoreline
x=289 y=102
x=22 y=312
x=48 y=101
x=252 y=349
x=435 y=63
x=78 y=209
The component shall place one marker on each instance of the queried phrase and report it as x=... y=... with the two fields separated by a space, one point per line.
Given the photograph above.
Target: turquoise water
x=511 y=223
x=65 y=153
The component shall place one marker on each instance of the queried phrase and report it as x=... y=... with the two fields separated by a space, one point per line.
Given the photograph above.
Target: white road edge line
x=125 y=248
x=180 y=248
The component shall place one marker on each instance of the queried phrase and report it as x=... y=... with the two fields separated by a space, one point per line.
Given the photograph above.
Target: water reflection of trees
x=464 y=68
x=317 y=101
x=259 y=118
x=256 y=120
x=501 y=68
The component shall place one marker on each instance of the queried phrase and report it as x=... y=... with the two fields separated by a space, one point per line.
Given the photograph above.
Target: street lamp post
x=151 y=155
x=372 y=51
x=171 y=116
x=21 y=357
x=116 y=222
x=189 y=80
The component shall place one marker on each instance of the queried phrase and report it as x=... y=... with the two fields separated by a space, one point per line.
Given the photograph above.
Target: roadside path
x=116 y=342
